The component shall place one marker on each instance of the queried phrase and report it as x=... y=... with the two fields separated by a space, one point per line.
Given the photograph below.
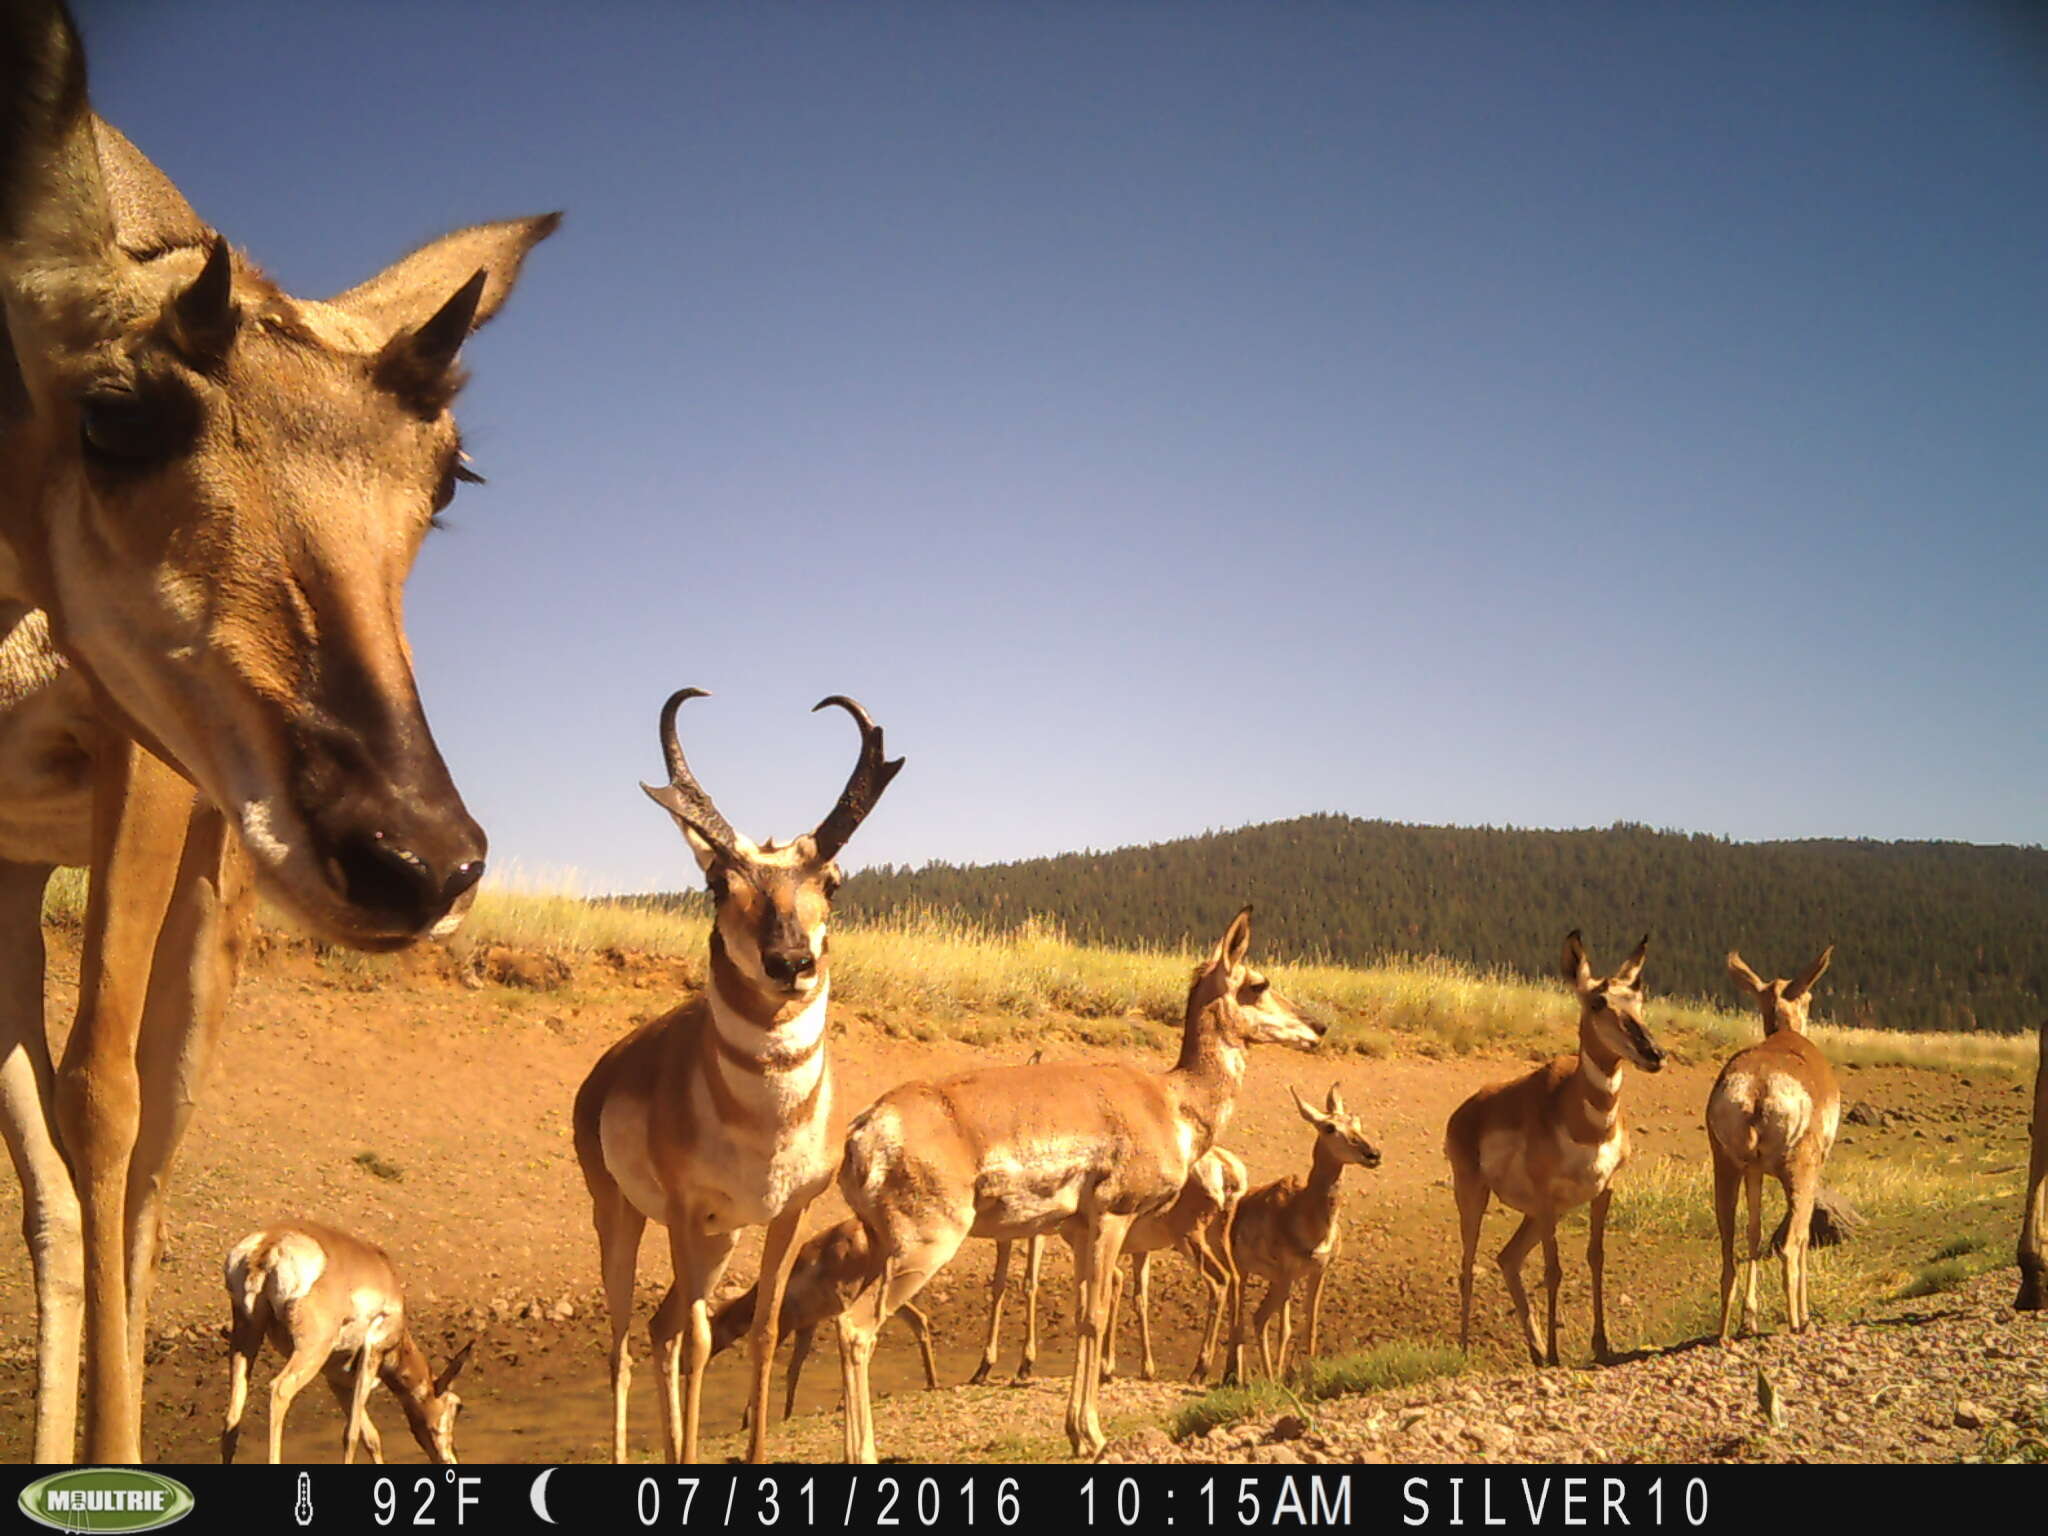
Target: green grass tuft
x=1396 y=1363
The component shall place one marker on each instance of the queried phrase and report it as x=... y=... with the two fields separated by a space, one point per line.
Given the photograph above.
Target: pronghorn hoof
x=980 y=1375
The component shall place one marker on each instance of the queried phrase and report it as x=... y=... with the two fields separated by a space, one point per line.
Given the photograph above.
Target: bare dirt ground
x=431 y=1116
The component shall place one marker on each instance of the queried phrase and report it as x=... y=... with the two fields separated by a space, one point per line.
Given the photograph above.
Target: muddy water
x=547 y=1400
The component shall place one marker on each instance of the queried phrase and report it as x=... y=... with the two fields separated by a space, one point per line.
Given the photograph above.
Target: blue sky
x=1169 y=416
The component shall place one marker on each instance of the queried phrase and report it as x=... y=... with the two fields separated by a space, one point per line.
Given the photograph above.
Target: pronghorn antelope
x=1551 y=1140
x=998 y=1283
x=830 y=1270
x=1287 y=1231
x=1774 y=1110
x=331 y=1304
x=1081 y=1150
x=210 y=496
x=2033 y=1296
x=1198 y=1225
x=716 y=1116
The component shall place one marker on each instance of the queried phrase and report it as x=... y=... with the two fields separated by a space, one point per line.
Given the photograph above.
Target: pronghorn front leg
x=140 y=810
x=1596 y=1261
x=49 y=1200
x=191 y=980
x=778 y=1252
x=682 y=1329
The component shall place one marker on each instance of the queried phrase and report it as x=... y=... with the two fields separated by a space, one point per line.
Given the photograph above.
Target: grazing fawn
x=1287 y=1231
x=1082 y=1150
x=830 y=1270
x=1198 y=1225
x=717 y=1115
x=332 y=1304
x=1551 y=1140
x=1773 y=1110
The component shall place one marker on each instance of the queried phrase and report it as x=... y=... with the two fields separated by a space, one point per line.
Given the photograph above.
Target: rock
x=1289 y=1426
x=562 y=1310
x=1971 y=1415
x=1149 y=1444
x=1862 y=1113
x=1268 y=1455
x=1494 y=1439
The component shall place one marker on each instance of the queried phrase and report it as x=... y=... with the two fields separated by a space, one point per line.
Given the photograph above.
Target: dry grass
x=935 y=976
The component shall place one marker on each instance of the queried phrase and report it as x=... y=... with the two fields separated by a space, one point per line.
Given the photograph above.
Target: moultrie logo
x=106 y=1499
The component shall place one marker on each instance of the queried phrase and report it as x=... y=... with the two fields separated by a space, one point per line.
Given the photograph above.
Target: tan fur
x=2033 y=1251
x=208 y=507
x=1198 y=1226
x=714 y=1118
x=832 y=1268
x=1013 y=1152
x=1286 y=1232
x=331 y=1304
x=1773 y=1111
x=1551 y=1140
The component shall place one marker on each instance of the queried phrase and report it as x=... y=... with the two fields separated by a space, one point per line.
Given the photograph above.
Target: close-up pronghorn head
x=1784 y=1004
x=1249 y=1010
x=217 y=491
x=772 y=902
x=1337 y=1129
x=1611 y=1007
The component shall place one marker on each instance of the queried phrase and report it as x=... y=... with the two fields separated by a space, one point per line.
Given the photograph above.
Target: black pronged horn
x=436 y=343
x=871 y=775
x=206 y=313
x=684 y=798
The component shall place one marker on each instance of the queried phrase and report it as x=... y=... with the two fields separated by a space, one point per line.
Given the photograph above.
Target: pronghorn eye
x=123 y=429
x=1256 y=989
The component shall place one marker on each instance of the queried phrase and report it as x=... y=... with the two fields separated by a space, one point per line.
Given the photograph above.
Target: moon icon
x=539 y=1495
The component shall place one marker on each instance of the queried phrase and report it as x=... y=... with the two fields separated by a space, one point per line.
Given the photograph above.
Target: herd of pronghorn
x=211 y=494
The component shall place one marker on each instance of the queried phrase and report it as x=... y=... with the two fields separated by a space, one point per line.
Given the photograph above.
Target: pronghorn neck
x=1324 y=1170
x=760 y=1055
x=1599 y=1087
x=409 y=1378
x=1209 y=1072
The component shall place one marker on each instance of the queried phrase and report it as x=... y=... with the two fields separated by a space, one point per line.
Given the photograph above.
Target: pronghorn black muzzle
x=397 y=847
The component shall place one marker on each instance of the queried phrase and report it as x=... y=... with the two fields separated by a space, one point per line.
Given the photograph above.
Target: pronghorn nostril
x=462 y=880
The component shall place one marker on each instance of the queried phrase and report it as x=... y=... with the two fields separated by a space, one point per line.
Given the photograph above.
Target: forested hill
x=1926 y=935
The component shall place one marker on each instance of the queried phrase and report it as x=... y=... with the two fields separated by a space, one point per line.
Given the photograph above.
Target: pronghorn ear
x=411 y=292
x=452 y=1369
x=1334 y=1102
x=1632 y=967
x=1574 y=967
x=56 y=225
x=1743 y=975
x=1236 y=942
x=1804 y=984
x=671 y=800
x=1308 y=1111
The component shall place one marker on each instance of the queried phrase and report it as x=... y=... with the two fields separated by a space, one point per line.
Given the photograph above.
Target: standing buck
x=1552 y=1140
x=2033 y=1296
x=1287 y=1232
x=717 y=1115
x=1083 y=1151
x=1774 y=1110
x=211 y=494
x=1198 y=1225
x=332 y=1305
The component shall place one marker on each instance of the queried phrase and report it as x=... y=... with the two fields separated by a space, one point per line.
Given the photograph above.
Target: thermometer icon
x=303 y=1509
